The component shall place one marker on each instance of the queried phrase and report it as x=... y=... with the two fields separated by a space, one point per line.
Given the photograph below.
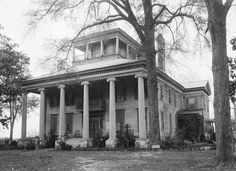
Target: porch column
x=141 y=106
x=127 y=51
x=142 y=142
x=111 y=142
x=62 y=111
x=117 y=45
x=86 y=51
x=86 y=110
x=24 y=116
x=102 y=48
x=42 y=114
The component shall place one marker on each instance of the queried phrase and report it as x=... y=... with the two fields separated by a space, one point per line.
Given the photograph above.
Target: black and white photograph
x=103 y=85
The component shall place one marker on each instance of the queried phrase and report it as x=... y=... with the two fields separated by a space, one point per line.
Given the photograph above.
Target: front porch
x=82 y=110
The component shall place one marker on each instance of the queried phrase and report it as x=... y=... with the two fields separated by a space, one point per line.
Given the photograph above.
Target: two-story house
x=106 y=88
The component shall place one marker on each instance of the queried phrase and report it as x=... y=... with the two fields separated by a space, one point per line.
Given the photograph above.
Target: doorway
x=95 y=124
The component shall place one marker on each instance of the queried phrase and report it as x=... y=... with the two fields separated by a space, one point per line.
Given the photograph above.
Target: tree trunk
x=217 y=28
x=11 y=120
x=150 y=53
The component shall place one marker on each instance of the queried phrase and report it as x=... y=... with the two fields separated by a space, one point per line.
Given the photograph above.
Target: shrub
x=30 y=145
x=172 y=143
x=50 y=140
x=99 y=140
x=190 y=128
x=13 y=143
x=125 y=138
x=61 y=145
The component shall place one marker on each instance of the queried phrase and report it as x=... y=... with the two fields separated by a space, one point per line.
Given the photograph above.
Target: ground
x=50 y=159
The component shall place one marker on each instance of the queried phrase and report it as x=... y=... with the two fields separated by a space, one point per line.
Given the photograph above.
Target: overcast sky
x=14 y=21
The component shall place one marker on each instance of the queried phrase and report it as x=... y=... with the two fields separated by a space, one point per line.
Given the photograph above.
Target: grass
x=49 y=159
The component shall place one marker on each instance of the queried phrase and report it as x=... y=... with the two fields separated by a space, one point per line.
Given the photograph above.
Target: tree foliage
x=13 y=70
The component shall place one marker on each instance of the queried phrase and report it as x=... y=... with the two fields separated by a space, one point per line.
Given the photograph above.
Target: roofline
x=107 y=32
x=160 y=74
x=75 y=74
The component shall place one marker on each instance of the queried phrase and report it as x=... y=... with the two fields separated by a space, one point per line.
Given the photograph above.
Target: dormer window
x=94 y=50
x=109 y=47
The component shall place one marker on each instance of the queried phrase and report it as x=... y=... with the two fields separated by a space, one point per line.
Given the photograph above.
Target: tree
x=13 y=70
x=217 y=13
x=145 y=17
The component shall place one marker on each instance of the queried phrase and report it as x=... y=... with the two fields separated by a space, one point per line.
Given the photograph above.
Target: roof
x=87 y=67
x=113 y=64
x=198 y=85
x=193 y=84
x=107 y=33
x=101 y=64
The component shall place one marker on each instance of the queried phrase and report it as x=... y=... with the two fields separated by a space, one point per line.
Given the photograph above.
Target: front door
x=95 y=124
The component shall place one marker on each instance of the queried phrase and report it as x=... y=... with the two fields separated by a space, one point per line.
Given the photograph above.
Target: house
x=106 y=88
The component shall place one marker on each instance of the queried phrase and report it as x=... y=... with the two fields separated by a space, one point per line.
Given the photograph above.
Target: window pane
x=120 y=119
x=54 y=123
x=162 y=121
x=69 y=123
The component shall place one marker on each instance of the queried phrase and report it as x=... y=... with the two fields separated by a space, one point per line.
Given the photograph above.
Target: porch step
x=74 y=142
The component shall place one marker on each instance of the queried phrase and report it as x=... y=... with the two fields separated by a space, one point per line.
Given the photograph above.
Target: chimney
x=161 y=52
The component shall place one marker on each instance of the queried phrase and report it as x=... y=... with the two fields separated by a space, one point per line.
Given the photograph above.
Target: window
x=191 y=102
x=175 y=99
x=122 y=48
x=109 y=46
x=162 y=121
x=170 y=120
x=69 y=123
x=54 y=99
x=207 y=106
x=169 y=96
x=161 y=92
x=69 y=98
x=120 y=93
x=145 y=89
x=120 y=119
x=54 y=123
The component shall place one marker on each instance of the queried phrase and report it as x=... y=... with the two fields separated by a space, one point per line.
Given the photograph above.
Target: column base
x=141 y=143
x=111 y=143
x=85 y=143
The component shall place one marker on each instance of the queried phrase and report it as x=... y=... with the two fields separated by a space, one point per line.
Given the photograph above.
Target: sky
x=33 y=43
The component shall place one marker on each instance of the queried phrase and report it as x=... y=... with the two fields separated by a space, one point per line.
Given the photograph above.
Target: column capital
x=111 y=79
x=41 y=89
x=144 y=75
x=84 y=83
x=61 y=86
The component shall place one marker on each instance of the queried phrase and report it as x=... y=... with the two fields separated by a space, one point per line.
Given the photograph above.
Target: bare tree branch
x=227 y=5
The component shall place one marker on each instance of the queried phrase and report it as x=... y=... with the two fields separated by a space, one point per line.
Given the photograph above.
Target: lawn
x=105 y=160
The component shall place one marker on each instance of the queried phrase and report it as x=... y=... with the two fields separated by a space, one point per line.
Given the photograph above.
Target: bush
x=50 y=140
x=125 y=138
x=99 y=140
x=30 y=145
x=13 y=143
x=172 y=143
x=190 y=128
x=61 y=145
